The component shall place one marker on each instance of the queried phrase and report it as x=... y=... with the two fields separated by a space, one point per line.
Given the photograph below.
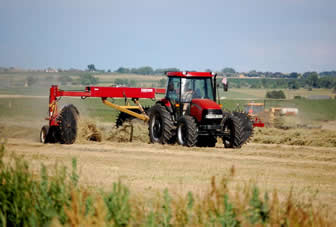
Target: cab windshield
x=191 y=88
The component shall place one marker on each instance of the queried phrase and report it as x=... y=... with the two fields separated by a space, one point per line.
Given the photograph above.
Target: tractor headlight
x=214 y=116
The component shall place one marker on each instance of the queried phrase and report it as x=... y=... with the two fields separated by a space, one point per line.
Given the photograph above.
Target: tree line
x=145 y=70
x=272 y=83
x=251 y=79
x=148 y=70
x=230 y=72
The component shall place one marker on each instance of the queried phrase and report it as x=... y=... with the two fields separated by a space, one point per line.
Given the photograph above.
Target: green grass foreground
x=54 y=199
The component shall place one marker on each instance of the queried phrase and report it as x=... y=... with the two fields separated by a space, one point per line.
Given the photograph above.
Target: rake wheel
x=68 y=124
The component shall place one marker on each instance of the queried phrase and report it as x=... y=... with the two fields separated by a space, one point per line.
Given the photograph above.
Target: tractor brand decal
x=96 y=89
x=145 y=90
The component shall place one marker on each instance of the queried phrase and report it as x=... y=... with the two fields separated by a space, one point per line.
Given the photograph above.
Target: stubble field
x=309 y=172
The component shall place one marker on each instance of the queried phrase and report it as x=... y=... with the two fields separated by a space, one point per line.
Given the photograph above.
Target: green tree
x=326 y=82
x=312 y=79
x=294 y=75
x=275 y=95
x=91 y=68
x=293 y=84
x=122 y=70
x=145 y=70
x=228 y=70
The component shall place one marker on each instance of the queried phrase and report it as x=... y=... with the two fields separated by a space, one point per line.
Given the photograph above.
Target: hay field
x=273 y=162
x=148 y=168
x=310 y=171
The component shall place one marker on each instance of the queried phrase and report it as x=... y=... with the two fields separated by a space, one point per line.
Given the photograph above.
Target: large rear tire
x=68 y=124
x=234 y=132
x=246 y=125
x=187 y=131
x=161 y=126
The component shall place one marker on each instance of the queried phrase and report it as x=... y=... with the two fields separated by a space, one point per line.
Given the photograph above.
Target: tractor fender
x=166 y=103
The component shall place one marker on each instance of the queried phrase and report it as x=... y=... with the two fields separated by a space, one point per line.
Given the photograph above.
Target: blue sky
x=263 y=35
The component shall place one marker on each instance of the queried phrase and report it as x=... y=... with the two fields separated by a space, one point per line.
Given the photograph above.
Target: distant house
x=51 y=70
x=318 y=97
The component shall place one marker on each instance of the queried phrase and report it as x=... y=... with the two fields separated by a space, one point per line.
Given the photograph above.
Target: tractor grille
x=214 y=115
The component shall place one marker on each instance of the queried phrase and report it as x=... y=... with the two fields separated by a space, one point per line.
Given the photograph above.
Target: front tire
x=161 y=126
x=187 y=131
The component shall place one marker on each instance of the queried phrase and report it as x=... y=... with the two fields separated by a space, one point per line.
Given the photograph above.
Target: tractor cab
x=187 y=90
x=183 y=90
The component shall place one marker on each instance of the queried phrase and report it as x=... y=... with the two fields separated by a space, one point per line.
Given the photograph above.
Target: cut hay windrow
x=133 y=131
x=88 y=131
x=300 y=137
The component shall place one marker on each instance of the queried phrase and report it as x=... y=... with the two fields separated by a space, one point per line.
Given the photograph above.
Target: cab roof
x=191 y=74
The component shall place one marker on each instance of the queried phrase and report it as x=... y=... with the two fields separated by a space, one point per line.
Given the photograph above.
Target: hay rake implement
x=62 y=126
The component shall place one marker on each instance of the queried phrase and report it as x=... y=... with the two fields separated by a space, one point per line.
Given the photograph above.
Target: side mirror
x=225 y=84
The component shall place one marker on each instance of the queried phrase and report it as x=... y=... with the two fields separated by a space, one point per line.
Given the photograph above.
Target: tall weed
x=58 y=199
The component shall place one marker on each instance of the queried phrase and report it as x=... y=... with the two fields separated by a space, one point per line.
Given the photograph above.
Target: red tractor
x=190 y=115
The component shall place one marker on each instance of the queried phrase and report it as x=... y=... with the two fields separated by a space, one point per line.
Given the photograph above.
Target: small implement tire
x=68 y=124
x=206 y=141
x=233 y=128
x=187 y=131
x=161 y=126
x=49 y=134
x=44 y=133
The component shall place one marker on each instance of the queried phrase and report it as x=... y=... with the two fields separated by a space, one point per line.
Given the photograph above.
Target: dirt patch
x=329 y=125
x=17 y=131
